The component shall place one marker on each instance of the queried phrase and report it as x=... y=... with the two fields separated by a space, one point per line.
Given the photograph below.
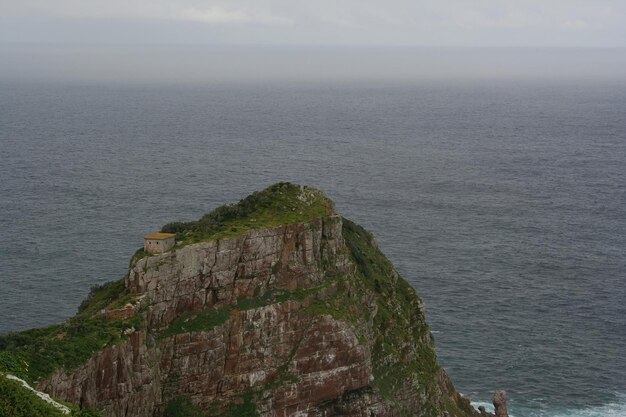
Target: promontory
x=275 y=306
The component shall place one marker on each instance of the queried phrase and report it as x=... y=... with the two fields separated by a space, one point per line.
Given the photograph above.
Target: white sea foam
x=488 y=406
x=613 y=409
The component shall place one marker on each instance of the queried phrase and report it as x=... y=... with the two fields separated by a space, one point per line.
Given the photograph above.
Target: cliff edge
x=276 y=306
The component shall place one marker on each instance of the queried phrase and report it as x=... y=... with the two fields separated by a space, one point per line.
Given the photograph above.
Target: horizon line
x=311 y=45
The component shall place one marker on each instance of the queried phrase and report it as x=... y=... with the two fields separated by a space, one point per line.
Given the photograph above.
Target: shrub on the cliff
x=10 y=364
x=194 y=321
x=101 y=295
x=281 y=203
x=15 y=401
x=183 y=407
x=398 y=323
x=86 y=412
x=36 y=353
x=246 y=408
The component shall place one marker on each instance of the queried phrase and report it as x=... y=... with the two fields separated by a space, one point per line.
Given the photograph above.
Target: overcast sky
x=594 y=23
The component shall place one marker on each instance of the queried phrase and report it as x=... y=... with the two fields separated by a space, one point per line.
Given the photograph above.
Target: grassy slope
x=279 y=204
x=36 y=353
x=17 y=401
x=403 y=348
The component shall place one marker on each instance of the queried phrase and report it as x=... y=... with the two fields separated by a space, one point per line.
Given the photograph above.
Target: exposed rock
x=307 y=319
x=218 y=273
x=120 y=313
x=499 y=402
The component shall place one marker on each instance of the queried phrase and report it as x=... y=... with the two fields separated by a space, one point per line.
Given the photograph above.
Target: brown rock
x=297 y=360
x=499 y=402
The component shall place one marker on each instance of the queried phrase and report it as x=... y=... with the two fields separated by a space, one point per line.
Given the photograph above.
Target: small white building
x=158 y=242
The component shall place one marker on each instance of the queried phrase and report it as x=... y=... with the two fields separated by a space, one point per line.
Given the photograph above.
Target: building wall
x=158 y=245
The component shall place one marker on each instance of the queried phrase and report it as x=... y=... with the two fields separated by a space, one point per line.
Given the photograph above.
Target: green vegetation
x=256 y=301
x=183 y=407
x=246 y=408
x=196 y=321
x=283 y=376
x=101 y=296
x=399 y=324
x=207 y=319
x=343 y=301
x=37 y=353
x=17 y=401
x=383 y=309
x=10 y=364
x=139 y=254
x=282 y=203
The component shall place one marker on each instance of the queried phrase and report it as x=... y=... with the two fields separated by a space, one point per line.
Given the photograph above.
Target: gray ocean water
x=502 y=202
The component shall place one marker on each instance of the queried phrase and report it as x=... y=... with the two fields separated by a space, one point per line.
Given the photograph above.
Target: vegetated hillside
x=18 y=401
x=275 y=306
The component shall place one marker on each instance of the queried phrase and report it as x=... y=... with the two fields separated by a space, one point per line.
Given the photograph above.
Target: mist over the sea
x=193 y=65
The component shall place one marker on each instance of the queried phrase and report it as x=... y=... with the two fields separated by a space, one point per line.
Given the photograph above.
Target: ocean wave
x=613 y=409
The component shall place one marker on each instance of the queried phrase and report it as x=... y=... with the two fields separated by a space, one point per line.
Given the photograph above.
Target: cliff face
x=304 y=319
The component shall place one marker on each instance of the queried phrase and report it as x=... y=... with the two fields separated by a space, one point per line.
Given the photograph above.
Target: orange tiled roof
x=159 y=236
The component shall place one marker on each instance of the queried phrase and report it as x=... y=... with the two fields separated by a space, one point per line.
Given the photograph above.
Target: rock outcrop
x=299 y=319
x=499 y=403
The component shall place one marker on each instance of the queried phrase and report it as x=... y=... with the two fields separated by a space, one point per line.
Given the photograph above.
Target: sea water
x=502 y=201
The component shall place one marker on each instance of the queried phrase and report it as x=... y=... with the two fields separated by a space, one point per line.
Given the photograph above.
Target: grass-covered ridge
x=37 y=353
x=402 y=350
x=279 y=204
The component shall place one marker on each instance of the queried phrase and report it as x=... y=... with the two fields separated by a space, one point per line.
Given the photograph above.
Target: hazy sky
x=598 y=23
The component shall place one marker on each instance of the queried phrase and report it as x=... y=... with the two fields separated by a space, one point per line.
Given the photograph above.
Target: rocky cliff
x=276 y=306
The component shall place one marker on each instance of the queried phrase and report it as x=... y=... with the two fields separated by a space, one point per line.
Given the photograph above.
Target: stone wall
x=158 y=245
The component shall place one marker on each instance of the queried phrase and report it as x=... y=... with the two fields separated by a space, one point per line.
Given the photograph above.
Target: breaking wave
x=613 y=409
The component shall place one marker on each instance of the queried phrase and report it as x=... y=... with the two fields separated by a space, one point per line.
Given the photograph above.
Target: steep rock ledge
x=218 y=273
x=253 y=348
x=300 y=319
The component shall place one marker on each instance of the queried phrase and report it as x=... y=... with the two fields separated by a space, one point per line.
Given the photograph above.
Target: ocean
x=502 y=201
